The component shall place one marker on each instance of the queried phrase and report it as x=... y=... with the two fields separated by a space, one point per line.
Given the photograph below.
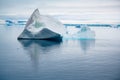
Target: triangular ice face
x=42 y=27
x=34 y=24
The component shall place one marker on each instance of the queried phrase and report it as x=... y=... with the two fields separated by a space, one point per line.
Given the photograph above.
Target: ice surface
x=37 y=22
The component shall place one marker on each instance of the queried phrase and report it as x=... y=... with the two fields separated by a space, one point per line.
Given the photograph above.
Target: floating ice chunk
x=80 y=33
x=2 y=21
x=114 y=25
x=85 y=33
x=42 y=27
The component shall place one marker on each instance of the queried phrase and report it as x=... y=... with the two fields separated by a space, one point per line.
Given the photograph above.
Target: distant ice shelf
x=9 y=22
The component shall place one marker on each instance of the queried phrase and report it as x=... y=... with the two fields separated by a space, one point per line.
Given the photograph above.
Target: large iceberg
x=42 y=27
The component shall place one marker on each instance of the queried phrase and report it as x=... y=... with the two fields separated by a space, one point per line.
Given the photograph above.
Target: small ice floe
x=114 y=25
x=84 y=32
x=2 y=21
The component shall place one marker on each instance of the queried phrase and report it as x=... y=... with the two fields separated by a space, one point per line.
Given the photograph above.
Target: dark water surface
x=97 y=59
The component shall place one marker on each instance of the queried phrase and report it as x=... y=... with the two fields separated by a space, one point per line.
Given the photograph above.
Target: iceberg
x=42 y=27
x=85 y=33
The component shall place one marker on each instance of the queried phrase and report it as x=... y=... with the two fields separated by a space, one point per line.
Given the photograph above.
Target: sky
x=84 y=9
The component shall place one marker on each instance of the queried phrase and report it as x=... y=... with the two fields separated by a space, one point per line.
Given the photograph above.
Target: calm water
x=97 y=59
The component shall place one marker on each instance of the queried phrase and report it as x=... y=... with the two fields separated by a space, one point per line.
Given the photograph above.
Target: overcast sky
x=59 y=6
x=100 y=8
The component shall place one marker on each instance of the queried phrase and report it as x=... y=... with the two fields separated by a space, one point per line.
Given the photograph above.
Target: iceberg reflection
x=87 y=44
x=35 y=48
